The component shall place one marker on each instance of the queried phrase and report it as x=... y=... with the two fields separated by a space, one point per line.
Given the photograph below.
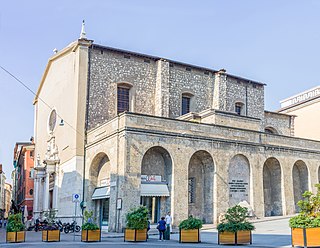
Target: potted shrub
x=305 y=227
x=136 y=224
x=235 y=229
x=90 y=231
x=15 y=229
x=189 y=230
x=51 y=232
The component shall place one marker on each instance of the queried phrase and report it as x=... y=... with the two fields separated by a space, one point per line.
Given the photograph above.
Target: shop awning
x=154 y=189
x=101 y=193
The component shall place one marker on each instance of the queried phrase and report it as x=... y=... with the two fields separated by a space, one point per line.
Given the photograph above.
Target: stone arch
x=239 y=180
x=157 y=161
x=272 y=193
x=200 y=188
x=99 y=176
x=300 y=181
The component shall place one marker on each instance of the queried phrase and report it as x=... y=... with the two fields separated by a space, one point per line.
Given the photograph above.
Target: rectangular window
x=123 y=99
x=191 y=190
x=185 y=105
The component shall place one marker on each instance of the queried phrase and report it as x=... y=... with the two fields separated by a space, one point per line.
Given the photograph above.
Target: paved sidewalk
x=273 y=232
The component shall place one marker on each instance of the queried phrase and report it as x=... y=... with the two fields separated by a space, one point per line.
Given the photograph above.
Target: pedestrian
x=161 y=227
x=5 y=223
x=0 y=223
x=148 y=228
x=169 y=221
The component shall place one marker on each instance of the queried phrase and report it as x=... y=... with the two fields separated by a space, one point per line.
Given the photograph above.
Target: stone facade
x=226 y=150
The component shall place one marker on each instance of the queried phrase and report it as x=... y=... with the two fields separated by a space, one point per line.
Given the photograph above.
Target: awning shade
x=150 y=189
x=101 y=193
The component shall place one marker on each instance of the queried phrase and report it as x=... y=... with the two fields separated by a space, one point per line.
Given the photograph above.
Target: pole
x=75 y=216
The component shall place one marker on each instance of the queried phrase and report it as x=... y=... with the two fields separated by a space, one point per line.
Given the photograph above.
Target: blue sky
x=275 y=42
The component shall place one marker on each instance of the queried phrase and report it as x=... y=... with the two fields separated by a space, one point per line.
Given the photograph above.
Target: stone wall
x=157 y=85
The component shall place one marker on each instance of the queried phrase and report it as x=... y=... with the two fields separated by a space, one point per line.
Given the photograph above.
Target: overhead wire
x=35 y=94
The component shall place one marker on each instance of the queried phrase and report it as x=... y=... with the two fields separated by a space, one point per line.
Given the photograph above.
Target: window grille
x=191 y=190
x=123 y=99
x=185 y=105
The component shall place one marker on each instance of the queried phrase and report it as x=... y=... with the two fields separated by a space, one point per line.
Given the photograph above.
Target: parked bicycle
x=73 y=227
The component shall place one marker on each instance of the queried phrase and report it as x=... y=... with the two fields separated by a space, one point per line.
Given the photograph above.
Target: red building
x=23 y=176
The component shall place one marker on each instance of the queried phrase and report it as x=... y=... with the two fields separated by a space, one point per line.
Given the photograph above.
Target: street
x=269 y=233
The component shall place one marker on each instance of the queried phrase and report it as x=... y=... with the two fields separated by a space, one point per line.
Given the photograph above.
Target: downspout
x=85 y=131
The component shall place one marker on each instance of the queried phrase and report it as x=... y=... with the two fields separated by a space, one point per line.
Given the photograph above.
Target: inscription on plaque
x=238 y=186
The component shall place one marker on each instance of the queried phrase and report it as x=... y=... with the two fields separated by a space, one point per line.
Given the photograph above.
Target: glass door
x=104 y=212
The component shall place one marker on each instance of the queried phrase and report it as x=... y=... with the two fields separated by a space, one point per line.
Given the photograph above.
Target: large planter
x=234 y=238
x=305 y=237
x=189 y=236
x=16 y=237
x=135 y=235
x=91 y=235
x=51 y=235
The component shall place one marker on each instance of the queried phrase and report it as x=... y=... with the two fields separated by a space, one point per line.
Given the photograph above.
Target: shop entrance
x=104 y=212
x=152 y=203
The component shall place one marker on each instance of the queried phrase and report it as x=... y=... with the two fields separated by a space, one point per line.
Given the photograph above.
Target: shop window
x=123 y=99
x=191 y=190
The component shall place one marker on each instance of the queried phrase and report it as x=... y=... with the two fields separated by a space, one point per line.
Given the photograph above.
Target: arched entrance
x=239 y=180
x=272 y=187
x=300 y=180
x=200 y=186
x=156 y=174
x=99 y=186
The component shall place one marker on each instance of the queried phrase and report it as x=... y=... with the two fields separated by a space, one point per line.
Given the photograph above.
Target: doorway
x=152 y=203
x=104 y=212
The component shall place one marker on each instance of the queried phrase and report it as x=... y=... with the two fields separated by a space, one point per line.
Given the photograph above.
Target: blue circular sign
x=76 y=196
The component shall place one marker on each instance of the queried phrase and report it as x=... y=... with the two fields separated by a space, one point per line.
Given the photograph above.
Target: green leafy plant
x=190 y=223
x=15 y=223
x=50 y=216
x=137 y=218
x=88 y=221
x=235 y=220
x=309 y=215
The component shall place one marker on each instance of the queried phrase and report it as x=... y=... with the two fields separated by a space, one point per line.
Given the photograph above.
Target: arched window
x=123 y=97
x=270 y=130
x=239 y=108
x=186 y=103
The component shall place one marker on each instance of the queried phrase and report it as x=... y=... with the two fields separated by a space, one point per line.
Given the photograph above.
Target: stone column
x=162 y=89
x=55 y=204
x=36 y=197
x=220 y=91
x=46 y=193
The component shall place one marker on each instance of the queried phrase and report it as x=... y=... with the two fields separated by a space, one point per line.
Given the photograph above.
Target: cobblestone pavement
x=268 y=233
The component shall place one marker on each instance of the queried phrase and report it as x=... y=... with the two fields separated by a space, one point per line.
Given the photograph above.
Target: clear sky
x=275 y=42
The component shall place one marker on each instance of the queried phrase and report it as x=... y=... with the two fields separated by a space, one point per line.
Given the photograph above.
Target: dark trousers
x=161 y=234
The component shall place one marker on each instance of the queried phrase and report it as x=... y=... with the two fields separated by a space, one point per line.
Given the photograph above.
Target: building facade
x=7 y=199
x=139 y=129
x=305 y=107
x=2 y=192
x=24 y=185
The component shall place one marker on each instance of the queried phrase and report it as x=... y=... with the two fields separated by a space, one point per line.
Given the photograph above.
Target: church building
x=124 y=129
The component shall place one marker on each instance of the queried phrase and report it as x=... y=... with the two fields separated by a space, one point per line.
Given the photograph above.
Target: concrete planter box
x=91 y=235
x=135 y=235
x=16 y=237
x=51 y=235
x=305 y=237
x=189 y=236
x=234 y=238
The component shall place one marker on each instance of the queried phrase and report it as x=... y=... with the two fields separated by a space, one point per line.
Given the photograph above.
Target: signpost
x=75 y=199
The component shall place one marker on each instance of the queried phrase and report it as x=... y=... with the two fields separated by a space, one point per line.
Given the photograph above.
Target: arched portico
x=156 y=180
x=200 y=186
x=300 y=180
x=99 y=187
x=272 y=192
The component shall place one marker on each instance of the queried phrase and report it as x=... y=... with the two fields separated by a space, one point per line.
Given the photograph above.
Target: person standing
x=168 y=220
x=161 y=227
